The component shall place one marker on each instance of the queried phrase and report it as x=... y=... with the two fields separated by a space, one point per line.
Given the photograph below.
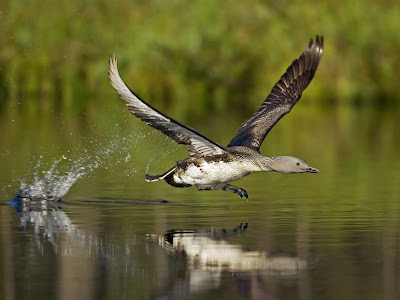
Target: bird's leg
x=234 y=189
x=150 y=178
x=226 y=187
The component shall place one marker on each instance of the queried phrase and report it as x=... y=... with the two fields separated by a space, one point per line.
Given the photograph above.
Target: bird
x=212 y=166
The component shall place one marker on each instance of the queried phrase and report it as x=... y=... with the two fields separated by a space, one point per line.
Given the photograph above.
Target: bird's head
x=290 y=164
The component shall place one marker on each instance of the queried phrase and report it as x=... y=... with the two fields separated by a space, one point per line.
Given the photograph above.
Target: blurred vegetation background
x=192 y=57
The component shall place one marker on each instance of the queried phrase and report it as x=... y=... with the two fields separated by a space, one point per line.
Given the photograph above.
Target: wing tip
x=317 y=45
x=113 y=66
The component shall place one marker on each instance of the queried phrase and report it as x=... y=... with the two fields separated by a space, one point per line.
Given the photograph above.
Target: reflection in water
x=53 y=247
x=200 y=261
x=40 y=213
x=48 y=221
x=209 y=256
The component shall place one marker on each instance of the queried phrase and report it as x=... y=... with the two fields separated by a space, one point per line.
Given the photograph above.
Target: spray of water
x=52 y=181
x=52 y=184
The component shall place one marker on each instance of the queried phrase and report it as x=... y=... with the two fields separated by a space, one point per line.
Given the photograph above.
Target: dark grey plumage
x=283 y=96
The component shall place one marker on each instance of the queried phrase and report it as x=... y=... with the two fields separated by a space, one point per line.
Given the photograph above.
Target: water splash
x=52 y=181
x=55 y=182
x=53 y=185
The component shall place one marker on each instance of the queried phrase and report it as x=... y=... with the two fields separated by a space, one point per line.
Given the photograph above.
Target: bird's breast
x=211 y=173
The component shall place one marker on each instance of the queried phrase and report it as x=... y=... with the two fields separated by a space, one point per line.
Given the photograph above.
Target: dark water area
x=333 y=235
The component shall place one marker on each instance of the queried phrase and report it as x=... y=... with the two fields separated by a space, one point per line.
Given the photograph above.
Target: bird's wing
x=196 y=144
x=284 y=95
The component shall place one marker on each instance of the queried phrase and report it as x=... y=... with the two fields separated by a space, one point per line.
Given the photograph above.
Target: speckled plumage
x=210 y=166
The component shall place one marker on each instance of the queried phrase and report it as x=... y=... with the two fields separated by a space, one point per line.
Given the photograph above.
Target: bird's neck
x=270 y=163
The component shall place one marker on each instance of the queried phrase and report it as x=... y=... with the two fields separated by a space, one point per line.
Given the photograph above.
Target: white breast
x=212 y=173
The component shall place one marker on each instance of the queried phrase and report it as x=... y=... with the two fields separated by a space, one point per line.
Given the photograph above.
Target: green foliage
x=224 y=54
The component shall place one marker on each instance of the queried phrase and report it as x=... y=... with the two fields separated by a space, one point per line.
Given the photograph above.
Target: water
x=333 y=235
x=52 y=185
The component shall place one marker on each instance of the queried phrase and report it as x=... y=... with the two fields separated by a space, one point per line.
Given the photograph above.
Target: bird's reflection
x=209 y=255
x=199 y=261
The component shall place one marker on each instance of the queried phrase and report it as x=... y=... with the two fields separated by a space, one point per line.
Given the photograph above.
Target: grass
x=226 y=55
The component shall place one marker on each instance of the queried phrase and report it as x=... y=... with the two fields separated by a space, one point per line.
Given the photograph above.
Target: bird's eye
x=297 y=164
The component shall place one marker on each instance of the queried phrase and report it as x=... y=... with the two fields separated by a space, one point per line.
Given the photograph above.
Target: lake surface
x=333 y=235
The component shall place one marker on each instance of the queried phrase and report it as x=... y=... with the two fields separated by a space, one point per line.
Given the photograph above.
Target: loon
x=210 y=165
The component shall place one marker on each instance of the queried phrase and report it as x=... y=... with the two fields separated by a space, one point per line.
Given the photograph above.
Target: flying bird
x=210 y=165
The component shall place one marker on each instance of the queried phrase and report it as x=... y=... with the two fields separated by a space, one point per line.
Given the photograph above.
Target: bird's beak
x=312 y=170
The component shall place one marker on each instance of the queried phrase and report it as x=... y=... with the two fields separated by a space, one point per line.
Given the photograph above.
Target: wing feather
x=196 y=144
x=283 y=96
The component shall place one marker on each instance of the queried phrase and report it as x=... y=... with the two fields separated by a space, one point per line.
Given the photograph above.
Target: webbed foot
x=237 y=190
x=241 y=193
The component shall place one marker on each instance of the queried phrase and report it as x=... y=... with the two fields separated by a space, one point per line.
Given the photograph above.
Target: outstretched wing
x=196 y=144
x=284 y=95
